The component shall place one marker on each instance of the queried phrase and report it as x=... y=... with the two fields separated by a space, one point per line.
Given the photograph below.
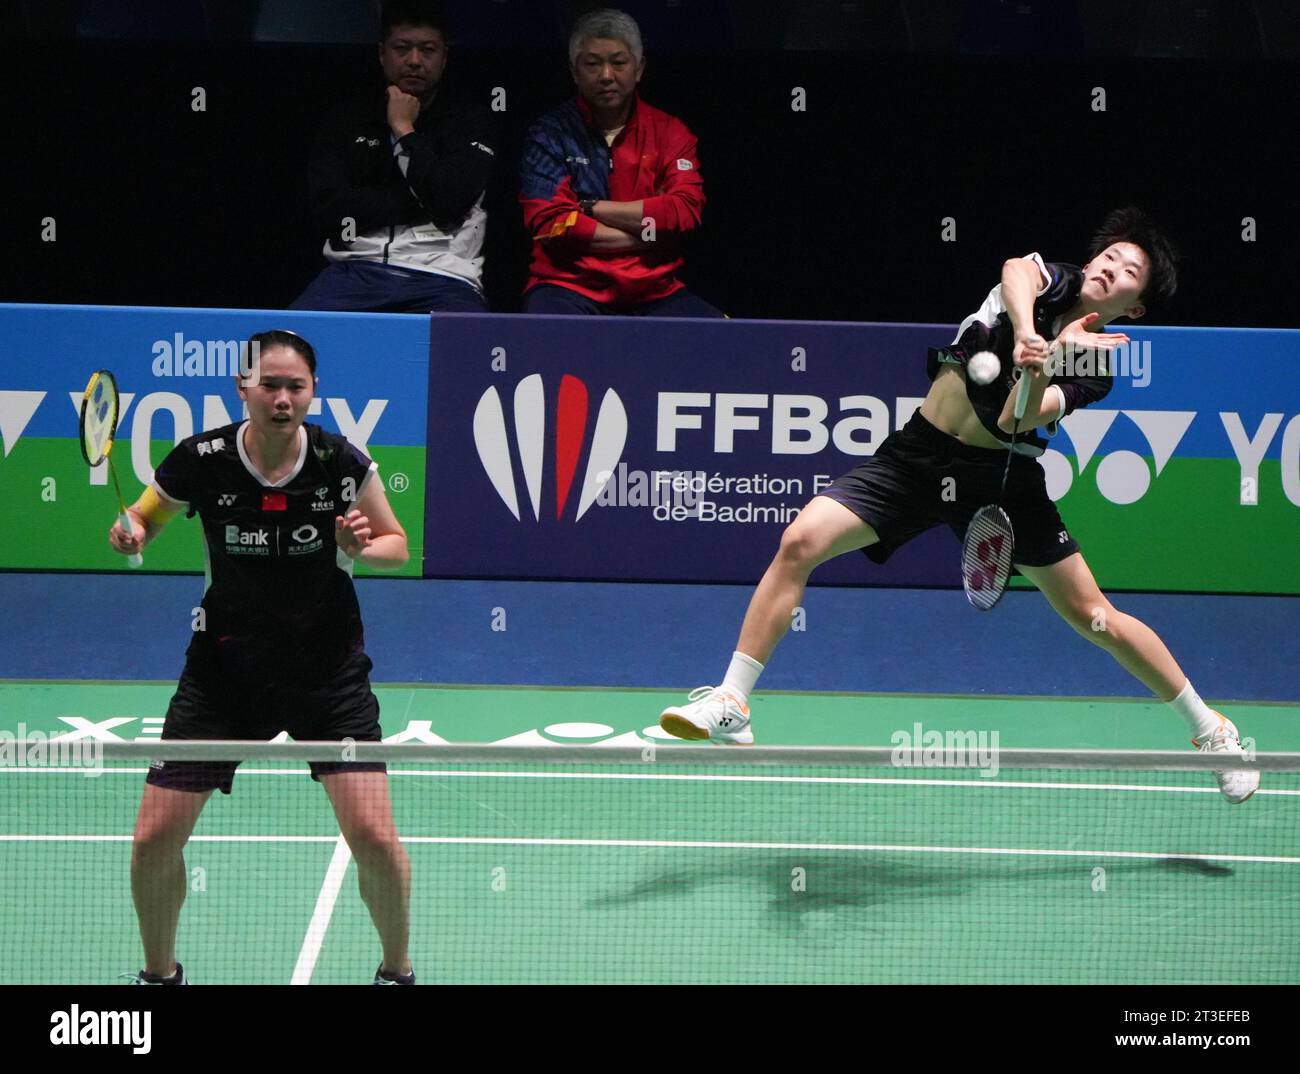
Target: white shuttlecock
x=983 y=367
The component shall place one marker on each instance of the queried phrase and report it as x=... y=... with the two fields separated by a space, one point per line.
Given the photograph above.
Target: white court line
x=850 y=847
x=320 y=918
x=684 y=844
x=874 y=780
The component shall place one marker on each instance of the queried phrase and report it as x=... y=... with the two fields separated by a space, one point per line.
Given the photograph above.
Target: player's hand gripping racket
x=990 y=541
x=98 y=425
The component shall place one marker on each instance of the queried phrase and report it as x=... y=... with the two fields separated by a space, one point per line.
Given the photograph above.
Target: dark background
x=916 y=111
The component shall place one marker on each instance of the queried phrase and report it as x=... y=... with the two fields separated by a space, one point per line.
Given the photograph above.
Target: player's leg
x=823 y=529
x=341 y=705
x=158 y=877
x=365 y=814
x=1071 y=589
x=174 y=795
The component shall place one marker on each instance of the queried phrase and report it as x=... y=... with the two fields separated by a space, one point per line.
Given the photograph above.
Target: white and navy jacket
x=416 y=203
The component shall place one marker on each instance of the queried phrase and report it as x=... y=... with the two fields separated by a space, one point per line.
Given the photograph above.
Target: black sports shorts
x=207 y=705
x=921 y=477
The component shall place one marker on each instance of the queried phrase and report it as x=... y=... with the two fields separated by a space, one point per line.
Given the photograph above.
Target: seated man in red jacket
x=609 y=185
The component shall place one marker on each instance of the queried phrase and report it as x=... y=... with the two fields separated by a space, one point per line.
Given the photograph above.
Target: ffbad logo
x=564 y=442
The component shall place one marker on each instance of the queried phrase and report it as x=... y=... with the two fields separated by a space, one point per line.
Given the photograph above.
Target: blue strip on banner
x=173 y=369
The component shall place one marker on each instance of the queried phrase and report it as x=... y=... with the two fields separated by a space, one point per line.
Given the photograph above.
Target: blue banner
x=666 y=450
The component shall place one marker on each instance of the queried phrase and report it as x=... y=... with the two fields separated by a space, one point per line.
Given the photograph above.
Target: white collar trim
x=248 y=463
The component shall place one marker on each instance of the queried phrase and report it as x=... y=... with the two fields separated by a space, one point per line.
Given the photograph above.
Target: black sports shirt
x=279 y=600
x=989 y=329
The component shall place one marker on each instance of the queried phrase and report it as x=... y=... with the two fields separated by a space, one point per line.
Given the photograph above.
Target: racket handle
x=124 y=520
x=1022 y=396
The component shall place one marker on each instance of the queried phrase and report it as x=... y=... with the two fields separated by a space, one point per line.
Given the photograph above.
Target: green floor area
x=134 y=711
x=603 y=874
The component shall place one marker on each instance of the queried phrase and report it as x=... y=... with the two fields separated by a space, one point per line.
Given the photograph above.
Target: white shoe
x=709 y=714
x=1236 y=784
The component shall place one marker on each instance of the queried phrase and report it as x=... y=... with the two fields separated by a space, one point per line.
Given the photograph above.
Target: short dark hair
x=1131 y=224
x=412 y=13
x=282 y=337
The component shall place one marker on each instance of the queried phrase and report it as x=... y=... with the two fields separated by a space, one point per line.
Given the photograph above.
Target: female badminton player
x=286 y=509
x=948 y=461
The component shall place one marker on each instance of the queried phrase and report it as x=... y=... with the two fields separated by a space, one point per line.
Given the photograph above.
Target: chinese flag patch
x=274 y=501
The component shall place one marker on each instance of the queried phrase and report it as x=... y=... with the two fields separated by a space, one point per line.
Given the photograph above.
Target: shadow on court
x=863 y=895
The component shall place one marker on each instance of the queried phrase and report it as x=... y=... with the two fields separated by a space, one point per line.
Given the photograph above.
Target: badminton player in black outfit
x=948 y=462
x=286 y=508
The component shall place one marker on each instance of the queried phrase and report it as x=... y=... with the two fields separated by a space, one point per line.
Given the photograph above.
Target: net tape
x=708 y=755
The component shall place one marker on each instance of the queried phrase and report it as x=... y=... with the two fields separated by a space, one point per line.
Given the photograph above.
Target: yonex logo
x=16 y=410
x=564 y=442
x=226 y=500
x=1123 y=477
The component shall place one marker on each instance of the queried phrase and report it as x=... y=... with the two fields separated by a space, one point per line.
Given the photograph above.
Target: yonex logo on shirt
x=227 y=500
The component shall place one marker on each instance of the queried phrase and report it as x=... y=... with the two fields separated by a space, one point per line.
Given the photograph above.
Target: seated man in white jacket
x=396 y=184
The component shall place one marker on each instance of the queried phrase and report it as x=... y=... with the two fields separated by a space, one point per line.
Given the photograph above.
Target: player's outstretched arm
x=370 y=532
x=148 y=515
x=1076 y=336
x=1021 y=281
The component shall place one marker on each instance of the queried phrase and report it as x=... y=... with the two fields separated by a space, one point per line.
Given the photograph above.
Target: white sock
x=742 y=674
x=1191 y=708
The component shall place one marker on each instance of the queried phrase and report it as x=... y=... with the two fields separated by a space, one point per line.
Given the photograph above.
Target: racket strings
x=986 y=556
x=98 y=417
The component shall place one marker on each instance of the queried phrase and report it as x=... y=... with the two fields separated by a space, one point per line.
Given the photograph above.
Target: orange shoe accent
x=680 y=727
x=1222 y=719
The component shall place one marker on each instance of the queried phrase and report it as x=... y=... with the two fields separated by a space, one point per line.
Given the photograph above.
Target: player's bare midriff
x=948 y=410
